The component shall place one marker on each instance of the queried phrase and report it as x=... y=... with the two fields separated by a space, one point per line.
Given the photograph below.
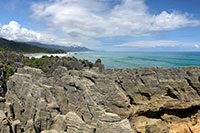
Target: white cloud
x=13 y=31
x=94 y=19
x=159 y=43
x=85 y=22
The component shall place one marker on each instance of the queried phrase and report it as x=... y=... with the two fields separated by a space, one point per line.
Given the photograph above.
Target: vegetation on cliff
x=10 y=61
x=25 y=48
x=11 y=58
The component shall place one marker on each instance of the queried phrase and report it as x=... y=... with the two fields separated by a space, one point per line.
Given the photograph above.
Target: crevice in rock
x=92 y=116
x=4 y=90
x=15 y=129
x=191 y=84
x=157 y=76
x=10 y=127
x=58 y=109
x=142 y=81
x=3 y=85
x=9 y=122
x=66 y=89
x=21 y=101
x=94 y=131
x=120 y=85
x=45 y=98
x=34 y=115
x=12 y=111
x=22 y=111
x=175 y=89
x=188 y=73
x=36 y=127
x=66 y=128
x=131 y=100
x=82 y=117
x=183 y=89
x=22 y=130
x=130 y=116
x=181 y=113
x=190 y=129
x=171 y=94
x=92 y=80
x=2 y=99
x=146 y=95
x=117 y=105
x=119 y=82
x=72 y=84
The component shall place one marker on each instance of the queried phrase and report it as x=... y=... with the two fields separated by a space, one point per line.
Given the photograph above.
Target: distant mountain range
x=67 y=48
x=35 y=47
x=21 y=47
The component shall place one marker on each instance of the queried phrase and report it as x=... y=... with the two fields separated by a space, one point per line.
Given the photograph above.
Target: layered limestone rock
x=169 y=95
x=144 y=100
x=65 y=102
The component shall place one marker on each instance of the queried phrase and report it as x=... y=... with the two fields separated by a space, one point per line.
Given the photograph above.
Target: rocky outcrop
x=167 y=95
x=143 y=100
x=3 y=88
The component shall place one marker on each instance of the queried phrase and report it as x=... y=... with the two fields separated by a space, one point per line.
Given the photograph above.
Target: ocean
x=139 y=59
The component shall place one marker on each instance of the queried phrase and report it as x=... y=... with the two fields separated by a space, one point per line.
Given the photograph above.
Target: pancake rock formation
x=93 y=100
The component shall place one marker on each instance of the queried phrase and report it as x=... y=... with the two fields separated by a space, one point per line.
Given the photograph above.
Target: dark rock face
x=99 y=65
x=3 y=88
x=145 y=100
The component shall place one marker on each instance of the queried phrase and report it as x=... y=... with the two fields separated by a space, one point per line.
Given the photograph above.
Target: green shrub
x=67 y=58
x=9 y=70
x=90 y=64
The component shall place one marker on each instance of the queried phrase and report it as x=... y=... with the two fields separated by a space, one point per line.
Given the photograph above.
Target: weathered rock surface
x=144 y=100
x=3 y=88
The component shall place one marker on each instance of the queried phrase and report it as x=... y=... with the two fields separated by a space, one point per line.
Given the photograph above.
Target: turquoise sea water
x=142 y=59
x=137 y=59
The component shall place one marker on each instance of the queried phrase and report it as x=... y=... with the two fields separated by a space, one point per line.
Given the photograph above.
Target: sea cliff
x=75 y=96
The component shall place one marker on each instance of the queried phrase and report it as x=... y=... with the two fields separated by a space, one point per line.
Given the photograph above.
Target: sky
x=108 y=25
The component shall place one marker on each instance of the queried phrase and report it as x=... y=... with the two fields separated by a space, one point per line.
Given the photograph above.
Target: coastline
x=125 y=60
x=72 y=91
x=39 y=55
x=115 y=101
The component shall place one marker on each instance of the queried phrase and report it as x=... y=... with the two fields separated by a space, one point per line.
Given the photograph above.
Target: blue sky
x=111 y=25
